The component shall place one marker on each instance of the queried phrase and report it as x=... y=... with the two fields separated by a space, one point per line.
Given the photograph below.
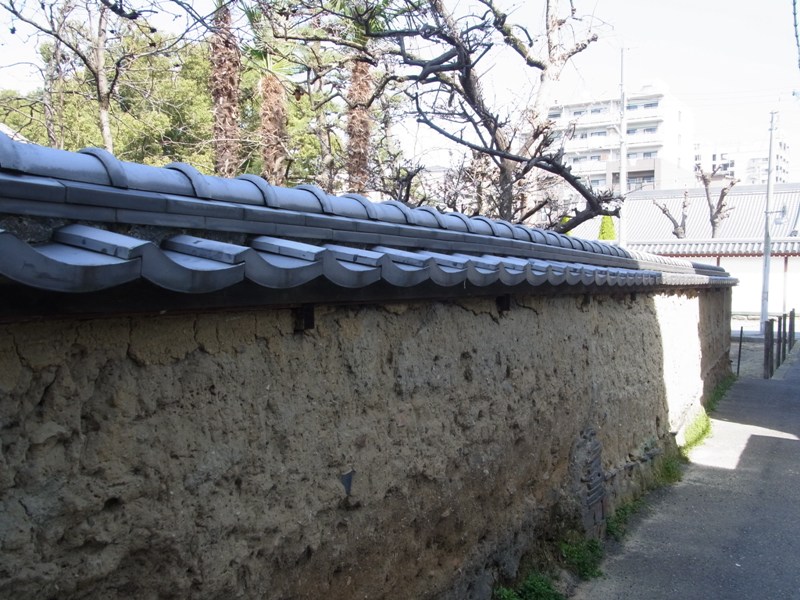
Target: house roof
x=85 y=223
x=741 y=233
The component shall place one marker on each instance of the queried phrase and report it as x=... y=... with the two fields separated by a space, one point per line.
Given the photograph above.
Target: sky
x=730 y=62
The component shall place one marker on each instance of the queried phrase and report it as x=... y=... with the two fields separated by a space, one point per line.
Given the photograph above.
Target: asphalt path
x=731 y=528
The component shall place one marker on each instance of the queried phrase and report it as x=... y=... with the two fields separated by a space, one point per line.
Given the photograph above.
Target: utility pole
x=767 y=241
x=623 y=150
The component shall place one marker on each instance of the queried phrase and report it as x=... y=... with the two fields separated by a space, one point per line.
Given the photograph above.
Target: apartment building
x=658 y=137
x=749 y=167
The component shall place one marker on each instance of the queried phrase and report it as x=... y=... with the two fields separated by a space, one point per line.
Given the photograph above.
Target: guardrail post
x=766 y=350
x=791 y=330
x=784 y=338
x=779 y=343
x=771 y=347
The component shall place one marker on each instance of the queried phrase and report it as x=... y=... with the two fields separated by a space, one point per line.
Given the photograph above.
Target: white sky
x=729 y=61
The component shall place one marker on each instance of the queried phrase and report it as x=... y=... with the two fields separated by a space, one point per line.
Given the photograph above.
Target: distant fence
x=778 y=341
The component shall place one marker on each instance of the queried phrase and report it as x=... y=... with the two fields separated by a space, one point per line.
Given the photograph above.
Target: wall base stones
x=202 y=456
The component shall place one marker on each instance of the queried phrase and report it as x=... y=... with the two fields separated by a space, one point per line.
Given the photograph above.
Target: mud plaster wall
x=200 y=456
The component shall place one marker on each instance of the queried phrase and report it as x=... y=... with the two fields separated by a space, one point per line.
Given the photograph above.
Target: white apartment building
x=658 y=136
x=750 y=168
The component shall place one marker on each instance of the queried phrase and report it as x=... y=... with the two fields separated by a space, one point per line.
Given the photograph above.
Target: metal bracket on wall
x=303 y=317
x=503 y=303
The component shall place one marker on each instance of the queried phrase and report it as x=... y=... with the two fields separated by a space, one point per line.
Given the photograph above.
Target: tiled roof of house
x=717 y=247
x=86 y=222
x=741 y=233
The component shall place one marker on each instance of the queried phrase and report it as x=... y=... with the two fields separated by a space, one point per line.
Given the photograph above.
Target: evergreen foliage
x=607 y=230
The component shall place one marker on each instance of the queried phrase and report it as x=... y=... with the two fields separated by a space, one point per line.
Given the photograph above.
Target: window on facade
x=631 y=107
x=578 y=159
x=594 y=157
x=556 y=114
x=651 y=105
x=633 y=155
x=596 y=183
x=649 y=130
x=583 y=135
x=578 y=113
x=649 y=154
x=599 y=134
x=598 y=111
x=632 y=131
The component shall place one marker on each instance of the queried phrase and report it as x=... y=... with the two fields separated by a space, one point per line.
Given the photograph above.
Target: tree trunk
x=225 y=75
x=101 y=82
x=359 y=127
x=52 y=76
x=273 y=129
x=506 y=184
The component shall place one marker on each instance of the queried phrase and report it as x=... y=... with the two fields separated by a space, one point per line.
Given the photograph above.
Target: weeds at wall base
x=617 y=524
x=535 y=587
x=700 y=428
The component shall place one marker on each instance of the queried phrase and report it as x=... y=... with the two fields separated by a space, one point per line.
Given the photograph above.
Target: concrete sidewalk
x=731 y=528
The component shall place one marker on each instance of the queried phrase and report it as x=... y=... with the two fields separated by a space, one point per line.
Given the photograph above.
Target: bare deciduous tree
x=678 y=227
x=437 y=58
x=718 y=208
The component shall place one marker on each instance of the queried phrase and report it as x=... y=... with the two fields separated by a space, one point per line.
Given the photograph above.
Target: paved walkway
x=731 y=528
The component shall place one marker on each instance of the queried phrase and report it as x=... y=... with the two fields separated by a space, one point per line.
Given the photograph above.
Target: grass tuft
x=670 y=470
x=617 y=524
x=583 y=557
x=719 y=392
x=701 y=426
x=535 y=587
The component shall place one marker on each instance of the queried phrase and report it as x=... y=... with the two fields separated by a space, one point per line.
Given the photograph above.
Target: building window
x=554 y=114
x=583 y=135
x=599 y=134
x=633 y=155
x=631 y=107
x=596 y=183
x=649 y=130
x=649 y=154
x=632 y=131
x=578 y=113
x=594 y=157
x=578 y=159
x=651 y=104
x=598 y=111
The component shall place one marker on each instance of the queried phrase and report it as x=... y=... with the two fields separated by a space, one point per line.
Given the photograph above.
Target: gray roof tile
x=354 y=243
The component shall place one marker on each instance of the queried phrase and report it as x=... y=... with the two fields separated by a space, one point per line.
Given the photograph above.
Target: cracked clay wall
x=200 y=456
